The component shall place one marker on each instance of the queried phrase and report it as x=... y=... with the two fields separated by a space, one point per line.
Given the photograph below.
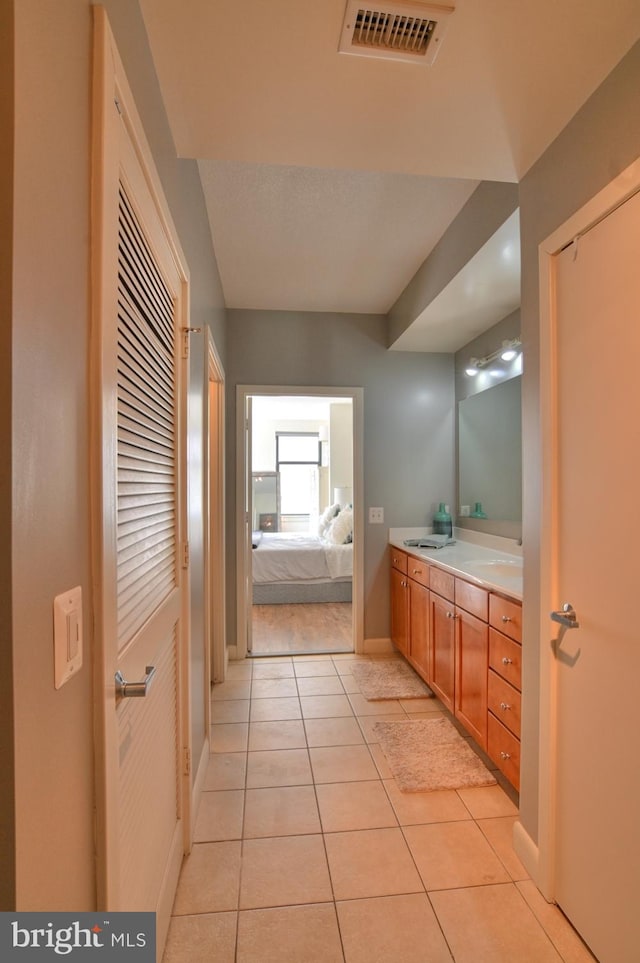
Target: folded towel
x=430 y=541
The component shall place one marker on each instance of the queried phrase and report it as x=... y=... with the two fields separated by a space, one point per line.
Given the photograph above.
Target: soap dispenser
x=442 y=524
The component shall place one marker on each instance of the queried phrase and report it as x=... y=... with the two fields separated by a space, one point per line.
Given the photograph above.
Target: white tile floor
x=306 y=852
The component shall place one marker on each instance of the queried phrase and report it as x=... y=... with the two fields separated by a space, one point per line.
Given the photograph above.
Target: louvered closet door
x=140 y=302
x=147 y=564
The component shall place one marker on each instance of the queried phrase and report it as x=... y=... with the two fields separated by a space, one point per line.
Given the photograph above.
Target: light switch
x=67 y=635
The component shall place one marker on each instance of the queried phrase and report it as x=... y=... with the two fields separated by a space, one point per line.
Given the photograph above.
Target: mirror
x=265 y=501
x=490 y=458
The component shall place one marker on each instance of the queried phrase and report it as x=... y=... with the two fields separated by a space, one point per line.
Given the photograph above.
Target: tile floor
x=306 y=852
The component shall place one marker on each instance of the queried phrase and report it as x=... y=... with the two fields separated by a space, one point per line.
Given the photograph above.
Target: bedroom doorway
x=299 y=525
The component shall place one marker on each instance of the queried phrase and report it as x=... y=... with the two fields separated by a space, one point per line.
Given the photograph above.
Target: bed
x=290 y=567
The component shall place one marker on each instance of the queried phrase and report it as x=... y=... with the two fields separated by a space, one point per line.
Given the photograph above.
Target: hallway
x=306 y=852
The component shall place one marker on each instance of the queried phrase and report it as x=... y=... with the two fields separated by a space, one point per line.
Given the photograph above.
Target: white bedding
x=294 y=556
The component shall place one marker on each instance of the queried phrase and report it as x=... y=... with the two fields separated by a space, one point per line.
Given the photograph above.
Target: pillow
x=340 y=531
x=326 y=518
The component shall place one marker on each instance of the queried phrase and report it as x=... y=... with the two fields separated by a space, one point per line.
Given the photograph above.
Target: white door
x=596 y=519
x=139 y=508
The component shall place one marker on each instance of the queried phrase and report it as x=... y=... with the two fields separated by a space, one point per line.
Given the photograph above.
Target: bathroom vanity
x=456 y=616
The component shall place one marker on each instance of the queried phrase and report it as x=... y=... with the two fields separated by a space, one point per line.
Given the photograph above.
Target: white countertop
x=485 y=565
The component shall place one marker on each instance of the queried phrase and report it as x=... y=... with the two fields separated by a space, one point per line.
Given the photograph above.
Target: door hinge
x=185 y=554
x=186 y=755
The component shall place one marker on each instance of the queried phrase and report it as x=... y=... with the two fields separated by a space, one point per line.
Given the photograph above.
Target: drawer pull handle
x=507 y=618
x=506 y=661
x=504 y=706
x=415 y=571
x=505 y=755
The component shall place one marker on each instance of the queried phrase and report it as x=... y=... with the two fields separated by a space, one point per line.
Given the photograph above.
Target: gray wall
x=408 y=421
x=601 y=140
x=7 y=810
x=486 y=210
x=54 y=753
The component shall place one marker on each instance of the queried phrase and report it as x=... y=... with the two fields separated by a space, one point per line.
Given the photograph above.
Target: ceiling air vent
x=394 y=31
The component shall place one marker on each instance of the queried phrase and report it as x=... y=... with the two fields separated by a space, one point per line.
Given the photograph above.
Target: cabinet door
x=399 y=611
x=419 y=628
x=442 y=626
x=472 y=668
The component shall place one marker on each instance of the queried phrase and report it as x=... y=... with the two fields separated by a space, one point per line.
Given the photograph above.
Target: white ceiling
x=329 y=178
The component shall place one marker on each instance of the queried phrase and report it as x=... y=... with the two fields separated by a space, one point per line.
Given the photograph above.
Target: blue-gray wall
x=408 y=421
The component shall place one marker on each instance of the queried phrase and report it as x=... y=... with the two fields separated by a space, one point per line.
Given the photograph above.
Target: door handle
x=129 y=690
x=566 y=617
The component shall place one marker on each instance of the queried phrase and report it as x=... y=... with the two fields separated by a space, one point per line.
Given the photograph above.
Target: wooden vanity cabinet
x=472 y=659
x=410 y=609
x=465 y=642
x=419 y=634
x=442 y=675
x=399 y=601
x=505 y=686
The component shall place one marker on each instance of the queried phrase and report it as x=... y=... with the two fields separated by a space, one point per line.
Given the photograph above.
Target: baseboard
x=232 y=653
x=526 y=850
x=378 y=647
x=198 y=785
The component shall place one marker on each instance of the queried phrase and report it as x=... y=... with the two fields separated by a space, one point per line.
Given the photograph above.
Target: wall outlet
x=376 y=516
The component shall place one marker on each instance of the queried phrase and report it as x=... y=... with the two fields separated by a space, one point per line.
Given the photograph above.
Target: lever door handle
x=566 y=616
x=129 y=690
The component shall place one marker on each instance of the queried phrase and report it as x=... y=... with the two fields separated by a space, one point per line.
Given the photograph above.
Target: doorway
x=590 y=789
x=299 y=520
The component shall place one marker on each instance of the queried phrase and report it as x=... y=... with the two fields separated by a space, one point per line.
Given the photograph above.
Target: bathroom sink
x=499 y=567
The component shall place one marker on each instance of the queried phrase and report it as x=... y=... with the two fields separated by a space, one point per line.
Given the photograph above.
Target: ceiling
x=329 y=178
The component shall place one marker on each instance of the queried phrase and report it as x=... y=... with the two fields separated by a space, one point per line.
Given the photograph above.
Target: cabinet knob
x=506 y=661
x=507 y=618
x=504 y=706
x=505 y=755
x=451 y=615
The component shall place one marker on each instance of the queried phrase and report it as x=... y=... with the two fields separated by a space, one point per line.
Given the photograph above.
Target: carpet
x=428 y=754
x=389 y=679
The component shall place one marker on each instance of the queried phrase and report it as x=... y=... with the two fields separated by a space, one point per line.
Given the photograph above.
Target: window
x=298 y=462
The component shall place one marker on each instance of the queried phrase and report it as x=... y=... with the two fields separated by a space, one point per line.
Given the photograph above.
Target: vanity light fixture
x=508 y=351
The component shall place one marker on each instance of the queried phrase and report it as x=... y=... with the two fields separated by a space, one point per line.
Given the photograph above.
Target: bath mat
x=389 y=679
x=428 y=754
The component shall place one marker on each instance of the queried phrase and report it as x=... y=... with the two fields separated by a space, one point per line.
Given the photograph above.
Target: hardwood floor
x=302 y=629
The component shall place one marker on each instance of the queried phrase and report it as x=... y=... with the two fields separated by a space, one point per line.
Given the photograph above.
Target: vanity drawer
x=442 y=583
x=505 y=657
x=504 y=701
x=399 y=560
x=506 y=616
x=418 y=570
x=504 y=749
x=472 y=599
